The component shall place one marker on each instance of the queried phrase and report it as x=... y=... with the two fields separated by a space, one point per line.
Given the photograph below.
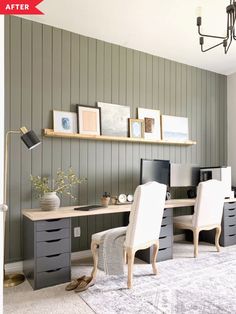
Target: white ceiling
x=159 y=27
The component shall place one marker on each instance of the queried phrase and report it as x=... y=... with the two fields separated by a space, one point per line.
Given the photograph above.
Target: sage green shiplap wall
x=49 y=68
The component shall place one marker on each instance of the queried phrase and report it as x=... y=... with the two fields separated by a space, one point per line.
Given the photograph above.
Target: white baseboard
x=14 y=267
x=18 y=266
x=81 y=254
x=179 y=237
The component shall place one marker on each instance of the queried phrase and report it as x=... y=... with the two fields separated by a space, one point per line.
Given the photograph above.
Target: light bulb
x=199 y=11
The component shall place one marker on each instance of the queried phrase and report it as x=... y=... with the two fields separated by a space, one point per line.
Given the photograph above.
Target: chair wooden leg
x=154 y=257
x=94 y=249
x=195 y=240
x=125 y=256
x=131 y=255
x=217 y=238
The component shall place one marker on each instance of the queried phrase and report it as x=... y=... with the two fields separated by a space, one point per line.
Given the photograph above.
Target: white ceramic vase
x=50 y=201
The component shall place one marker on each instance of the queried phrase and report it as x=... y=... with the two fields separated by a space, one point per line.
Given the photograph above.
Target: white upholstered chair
x=144 y=226
x=208 y=211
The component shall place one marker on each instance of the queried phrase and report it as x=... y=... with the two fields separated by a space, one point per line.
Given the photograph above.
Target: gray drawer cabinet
x=228 y=227
x=47 y=252
x=165 y=240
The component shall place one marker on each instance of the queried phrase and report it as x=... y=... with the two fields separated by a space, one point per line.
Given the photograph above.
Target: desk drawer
x=167 y=220
x=166 y=230
x=53 y=247
x=52 y=224
x=54 y=277
x=229 y=220
x=229 y=240
x=53 y=234
x=53 y=262
x=164 y=254
x=229 y=207
x=165 y=242
x=230 y=230
x=168 y=212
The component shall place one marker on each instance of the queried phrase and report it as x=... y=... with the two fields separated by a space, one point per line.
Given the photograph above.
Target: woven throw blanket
x=111 y=251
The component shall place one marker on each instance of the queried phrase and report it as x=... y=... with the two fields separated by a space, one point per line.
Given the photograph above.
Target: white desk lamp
x=31 y=141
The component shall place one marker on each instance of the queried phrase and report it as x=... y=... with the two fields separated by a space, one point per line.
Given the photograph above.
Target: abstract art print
x=89 y=120
x=174 y=128
x=114 y=119
x=65 y=122
x=151 y=117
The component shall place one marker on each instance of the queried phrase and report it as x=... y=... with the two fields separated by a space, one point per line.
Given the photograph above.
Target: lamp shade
x=30 y=139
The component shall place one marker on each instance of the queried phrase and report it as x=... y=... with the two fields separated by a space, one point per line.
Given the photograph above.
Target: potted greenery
x=62 y=185
x=105 y=199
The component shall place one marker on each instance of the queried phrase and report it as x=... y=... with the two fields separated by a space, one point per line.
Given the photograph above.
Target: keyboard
x=88 y=207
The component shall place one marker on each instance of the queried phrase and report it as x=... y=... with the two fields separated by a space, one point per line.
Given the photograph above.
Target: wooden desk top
x=68 y=212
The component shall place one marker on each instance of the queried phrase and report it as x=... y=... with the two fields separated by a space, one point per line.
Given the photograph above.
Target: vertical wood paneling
x=49 y=68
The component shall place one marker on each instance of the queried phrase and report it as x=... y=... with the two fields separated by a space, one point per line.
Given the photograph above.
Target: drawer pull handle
x=163 y=226
x=162 y=237
x=231 y=209
x=56 y=219
x=50 y=241
x=53 y=271
x=231 y=215
x=164 y=217
x=163 y=249
x=231 y=235
x=231 y=225
x=54 y=230
x=53 y=255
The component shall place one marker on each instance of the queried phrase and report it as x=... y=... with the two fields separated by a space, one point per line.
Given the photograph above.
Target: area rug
x=186 y=285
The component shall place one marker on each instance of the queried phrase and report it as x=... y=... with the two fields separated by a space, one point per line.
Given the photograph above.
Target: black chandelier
x=230 y=34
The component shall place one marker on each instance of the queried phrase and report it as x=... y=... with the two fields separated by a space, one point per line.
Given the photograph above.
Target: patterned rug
x=186 y=285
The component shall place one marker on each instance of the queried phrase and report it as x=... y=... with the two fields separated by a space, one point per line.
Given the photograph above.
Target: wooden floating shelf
x=51 y=133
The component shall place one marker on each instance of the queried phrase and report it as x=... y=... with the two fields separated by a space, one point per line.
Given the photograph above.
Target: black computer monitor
x=155 y=170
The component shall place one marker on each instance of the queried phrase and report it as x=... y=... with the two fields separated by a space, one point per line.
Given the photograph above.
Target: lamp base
x=13 y=280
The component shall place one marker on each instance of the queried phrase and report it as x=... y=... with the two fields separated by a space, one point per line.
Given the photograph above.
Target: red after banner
x=19 y=7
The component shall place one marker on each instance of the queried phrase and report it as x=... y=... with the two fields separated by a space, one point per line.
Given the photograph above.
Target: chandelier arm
x=210 y=36
x=227 y=48
x=221 y=43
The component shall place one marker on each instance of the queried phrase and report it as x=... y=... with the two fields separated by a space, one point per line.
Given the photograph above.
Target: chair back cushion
x=209 y=203
x=146 y=214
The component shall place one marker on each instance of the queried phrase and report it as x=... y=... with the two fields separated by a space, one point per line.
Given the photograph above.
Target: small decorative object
x=174 y=128
x=114 y=119
x=105 y=199
x=65 y=122
x=49 y=199
x=136 y=128
x=114 y=200
x=130 y=198
x=89 y=120
x=152 y=123
x=122 y=198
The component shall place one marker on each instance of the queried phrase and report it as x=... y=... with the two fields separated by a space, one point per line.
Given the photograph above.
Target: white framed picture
x=65 y=122
x=152 y=128
x=174 y=128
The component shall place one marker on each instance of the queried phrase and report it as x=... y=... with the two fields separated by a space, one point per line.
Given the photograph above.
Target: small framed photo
x=136 y=128
x=89 y=120
x=65 y=122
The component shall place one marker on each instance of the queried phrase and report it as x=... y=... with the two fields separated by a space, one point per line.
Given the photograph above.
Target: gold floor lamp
x=31 y=141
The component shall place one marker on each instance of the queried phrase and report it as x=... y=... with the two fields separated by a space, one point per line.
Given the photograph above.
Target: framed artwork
x=89 y=120
x=114 y=119
x=152 y=128
x=174 y=128
x=65 y=122
x=136 y=128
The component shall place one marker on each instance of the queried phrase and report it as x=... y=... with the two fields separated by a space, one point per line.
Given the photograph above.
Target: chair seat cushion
x=185 y=220
x=96 y=237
